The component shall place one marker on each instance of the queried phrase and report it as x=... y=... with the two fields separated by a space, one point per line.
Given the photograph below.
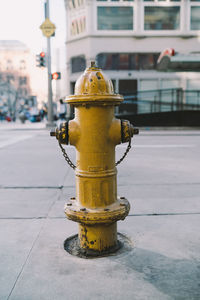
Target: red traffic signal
x=42 y=54
x=56 y=75
x=41 y=59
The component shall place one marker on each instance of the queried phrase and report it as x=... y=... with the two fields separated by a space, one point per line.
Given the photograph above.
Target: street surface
x=160 y=177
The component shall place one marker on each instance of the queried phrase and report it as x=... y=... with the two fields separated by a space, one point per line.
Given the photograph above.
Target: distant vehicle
x=34 y=115
x=22 y=117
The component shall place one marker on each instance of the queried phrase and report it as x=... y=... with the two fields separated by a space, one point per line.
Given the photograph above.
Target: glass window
x=127 y=61
x=74 y=4
x=78 y=26
x=78 y=64
x=10 y=78
x=162 y=18
x=195 y=18
x=9 y=65
x=22 y=65
x=115 y=18
x=22 y=80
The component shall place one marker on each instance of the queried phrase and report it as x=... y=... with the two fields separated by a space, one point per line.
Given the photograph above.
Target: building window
x=9 y=65
x=78 y=64
x=115 y=18
x=127 y=61
x=162 y=18
x=164 y=0
x=116 y=0
x=78 y=26
x=22 y=65
x=22 y=80
x=74 y=4
x=10 y=78
x=195 y=18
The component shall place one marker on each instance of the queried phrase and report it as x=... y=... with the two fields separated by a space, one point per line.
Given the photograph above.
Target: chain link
x=68 y=160
x=125 y=153
x=70 y=163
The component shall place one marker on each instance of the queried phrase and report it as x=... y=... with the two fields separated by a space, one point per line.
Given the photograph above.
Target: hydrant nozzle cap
x=93 y=64
x=53 y=132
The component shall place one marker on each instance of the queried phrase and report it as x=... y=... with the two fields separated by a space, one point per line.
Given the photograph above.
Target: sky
x=21 y=19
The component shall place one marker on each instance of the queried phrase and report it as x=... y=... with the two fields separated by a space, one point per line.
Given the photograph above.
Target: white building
x=18 y=72
x=125 y=38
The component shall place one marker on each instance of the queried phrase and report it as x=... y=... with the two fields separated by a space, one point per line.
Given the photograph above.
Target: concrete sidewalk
x=161 y=179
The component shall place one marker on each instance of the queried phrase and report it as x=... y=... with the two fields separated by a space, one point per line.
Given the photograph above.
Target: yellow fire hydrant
x=95 y=132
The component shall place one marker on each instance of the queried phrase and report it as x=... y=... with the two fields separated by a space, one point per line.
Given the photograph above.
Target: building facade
x=21 y=82
x=125 y=37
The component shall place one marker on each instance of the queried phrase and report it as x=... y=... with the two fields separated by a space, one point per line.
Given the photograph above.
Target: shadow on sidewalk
x=177 y=278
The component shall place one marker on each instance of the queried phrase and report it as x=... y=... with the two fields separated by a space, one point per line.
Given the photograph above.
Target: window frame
x=192 y=4
x=75 y=15
x=162 y=32
x=138 y=65
x=109 y=3
x=71 y=64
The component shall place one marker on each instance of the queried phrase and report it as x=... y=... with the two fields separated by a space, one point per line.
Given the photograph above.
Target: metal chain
x=125 y=153
x=68 y=160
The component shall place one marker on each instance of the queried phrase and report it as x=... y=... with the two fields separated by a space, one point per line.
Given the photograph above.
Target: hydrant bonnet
x=94 y=86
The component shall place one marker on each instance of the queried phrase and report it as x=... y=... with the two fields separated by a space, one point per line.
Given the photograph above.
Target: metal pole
x=50 y=122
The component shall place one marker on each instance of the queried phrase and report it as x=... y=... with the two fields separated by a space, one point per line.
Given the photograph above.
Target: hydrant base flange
x=72 y=246
x=124 y=245
x=105 y=215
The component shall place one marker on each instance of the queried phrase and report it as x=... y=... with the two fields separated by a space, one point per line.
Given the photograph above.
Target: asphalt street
x=161 y=179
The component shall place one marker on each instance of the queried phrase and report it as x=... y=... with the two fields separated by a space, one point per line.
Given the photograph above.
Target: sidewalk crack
x=25 y=262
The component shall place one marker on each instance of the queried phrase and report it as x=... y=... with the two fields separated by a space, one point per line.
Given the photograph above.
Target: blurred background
x=150 y=49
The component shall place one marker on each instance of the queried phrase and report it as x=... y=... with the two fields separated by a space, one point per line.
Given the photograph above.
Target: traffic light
x=56 y=75
x=41 y=59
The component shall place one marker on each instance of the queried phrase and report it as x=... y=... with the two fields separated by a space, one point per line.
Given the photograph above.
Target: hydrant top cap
x=94 y=86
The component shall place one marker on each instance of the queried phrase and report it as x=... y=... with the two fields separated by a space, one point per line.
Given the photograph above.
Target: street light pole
x=50 y=119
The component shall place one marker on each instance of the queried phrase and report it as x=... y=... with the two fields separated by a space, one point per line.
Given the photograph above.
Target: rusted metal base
x=72 y=246
x=99 y=237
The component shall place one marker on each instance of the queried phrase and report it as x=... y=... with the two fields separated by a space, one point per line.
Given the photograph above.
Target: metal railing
x=153 y=101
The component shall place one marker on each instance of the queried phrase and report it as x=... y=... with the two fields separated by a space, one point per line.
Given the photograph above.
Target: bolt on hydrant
x=95 y=132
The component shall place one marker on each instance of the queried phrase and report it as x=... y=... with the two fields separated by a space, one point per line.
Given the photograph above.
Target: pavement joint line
x=164 y=214
x=162 y=146
x=31 y=218
x=162 y=183
x=22 y=268
x=32 y=187
x=168 y=134
x=53 y=203
x=131 y=215
x=22 y=129
x=60 y=187
x=65 y=176
x=34 y=242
